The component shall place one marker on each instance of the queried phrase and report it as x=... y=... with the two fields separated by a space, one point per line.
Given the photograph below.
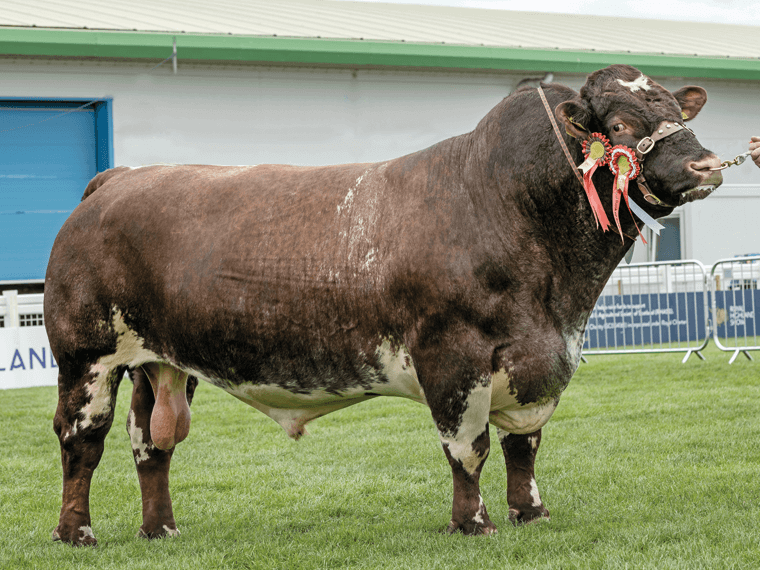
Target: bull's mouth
x=703 y=190
x=698 y=193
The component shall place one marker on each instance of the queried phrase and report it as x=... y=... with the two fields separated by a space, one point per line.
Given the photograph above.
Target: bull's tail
x=101 y=178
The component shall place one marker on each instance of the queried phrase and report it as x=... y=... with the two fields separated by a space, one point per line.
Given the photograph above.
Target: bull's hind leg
x=460 y=405
x=153 y=463
x=82 y=421
x=522 y=492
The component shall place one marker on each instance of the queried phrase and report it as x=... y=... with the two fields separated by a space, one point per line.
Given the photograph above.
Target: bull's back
x=223 y=253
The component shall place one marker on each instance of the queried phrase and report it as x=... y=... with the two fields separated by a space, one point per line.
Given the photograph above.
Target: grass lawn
x=647 y=463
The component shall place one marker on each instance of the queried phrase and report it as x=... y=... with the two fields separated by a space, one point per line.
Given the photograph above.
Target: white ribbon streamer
x=648 y=220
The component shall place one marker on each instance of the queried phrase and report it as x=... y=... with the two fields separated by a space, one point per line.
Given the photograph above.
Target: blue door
x=49 y=151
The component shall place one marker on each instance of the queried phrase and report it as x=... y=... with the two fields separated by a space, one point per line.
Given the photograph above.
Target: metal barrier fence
x=651 y=307
x=735 y=295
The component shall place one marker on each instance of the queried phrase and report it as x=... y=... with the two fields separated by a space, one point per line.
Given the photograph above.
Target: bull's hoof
x=81 y=536
x=528 y=515
x=162 y=532
x=472 y=528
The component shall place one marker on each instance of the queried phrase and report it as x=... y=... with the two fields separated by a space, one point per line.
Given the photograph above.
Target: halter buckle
x=645 y=145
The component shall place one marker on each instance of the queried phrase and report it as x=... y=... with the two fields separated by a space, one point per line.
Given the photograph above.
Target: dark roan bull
x=461 y=276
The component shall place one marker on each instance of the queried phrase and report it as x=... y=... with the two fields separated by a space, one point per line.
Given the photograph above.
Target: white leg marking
x=171 y=531
x=534 y=493
x=86 y=532
x=533 y=440
x=139 y=445
x=478 y=518
x=129 y=352
x=470 y=428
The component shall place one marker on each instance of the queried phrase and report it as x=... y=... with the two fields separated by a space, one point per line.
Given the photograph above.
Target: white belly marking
x=294 y=410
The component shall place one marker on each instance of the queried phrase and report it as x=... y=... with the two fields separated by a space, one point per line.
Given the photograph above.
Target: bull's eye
x=619 y=128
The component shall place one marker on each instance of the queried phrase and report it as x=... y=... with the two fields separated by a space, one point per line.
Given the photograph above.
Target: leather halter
x=645 y=145
x=564 y=146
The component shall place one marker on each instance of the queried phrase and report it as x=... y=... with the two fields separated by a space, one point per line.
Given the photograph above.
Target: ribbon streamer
x=648 y=220
x=625 y=167
x=596 y=150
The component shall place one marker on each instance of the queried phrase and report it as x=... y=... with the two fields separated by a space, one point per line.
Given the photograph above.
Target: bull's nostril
x=704 y=164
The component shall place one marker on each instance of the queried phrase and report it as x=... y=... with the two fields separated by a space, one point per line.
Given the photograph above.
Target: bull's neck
x=541 y=216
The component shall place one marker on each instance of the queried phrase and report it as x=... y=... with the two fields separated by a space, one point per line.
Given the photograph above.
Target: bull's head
x=627 y=107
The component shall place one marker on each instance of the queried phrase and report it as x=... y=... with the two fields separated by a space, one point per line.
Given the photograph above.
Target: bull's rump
x=264 y=275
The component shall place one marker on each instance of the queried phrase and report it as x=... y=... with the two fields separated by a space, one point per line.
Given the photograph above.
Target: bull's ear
x=691 y=99
x=575 y=117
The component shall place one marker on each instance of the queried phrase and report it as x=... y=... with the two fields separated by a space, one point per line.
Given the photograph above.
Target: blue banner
x=627 y=321
x=735 y=314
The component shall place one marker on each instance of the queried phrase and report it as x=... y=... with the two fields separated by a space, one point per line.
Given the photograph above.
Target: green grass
x=647 y=463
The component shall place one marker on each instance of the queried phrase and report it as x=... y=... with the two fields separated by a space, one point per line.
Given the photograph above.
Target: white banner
x=25 y=358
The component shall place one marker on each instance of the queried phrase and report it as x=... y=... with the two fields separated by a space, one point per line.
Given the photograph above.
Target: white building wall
x=238 y=114
x=728 y=222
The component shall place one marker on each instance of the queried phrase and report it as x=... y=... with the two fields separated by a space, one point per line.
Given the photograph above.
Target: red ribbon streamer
x=620 y=185
x=593 y=198
x=588 y=167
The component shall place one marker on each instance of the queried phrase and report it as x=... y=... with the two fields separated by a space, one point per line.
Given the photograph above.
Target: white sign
x=25 y=358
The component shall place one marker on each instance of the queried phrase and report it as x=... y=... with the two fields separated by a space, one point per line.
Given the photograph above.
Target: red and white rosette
x=596 y=151
x=625 y=166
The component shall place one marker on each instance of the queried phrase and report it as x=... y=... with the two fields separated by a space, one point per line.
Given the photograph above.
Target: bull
x=461 y=277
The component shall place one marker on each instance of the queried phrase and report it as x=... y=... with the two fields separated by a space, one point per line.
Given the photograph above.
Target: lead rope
x=570 y=158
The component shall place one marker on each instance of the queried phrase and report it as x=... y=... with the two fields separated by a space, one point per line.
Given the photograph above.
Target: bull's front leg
x=460 y=409
x=522 y=492
x=152 y=463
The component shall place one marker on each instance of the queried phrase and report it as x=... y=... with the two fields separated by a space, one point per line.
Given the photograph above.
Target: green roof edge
x=354 y=53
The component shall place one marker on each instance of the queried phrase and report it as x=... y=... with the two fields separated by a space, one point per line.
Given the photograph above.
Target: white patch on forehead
x=129 y=352
x=637 y=84
x=534 y=493
x=139 y=445
x=471 y=426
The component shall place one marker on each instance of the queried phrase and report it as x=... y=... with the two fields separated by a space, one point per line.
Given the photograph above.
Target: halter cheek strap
x=564 y=147
x=645 y=145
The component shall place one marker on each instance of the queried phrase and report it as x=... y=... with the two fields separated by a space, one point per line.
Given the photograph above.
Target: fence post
x=11 y=309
